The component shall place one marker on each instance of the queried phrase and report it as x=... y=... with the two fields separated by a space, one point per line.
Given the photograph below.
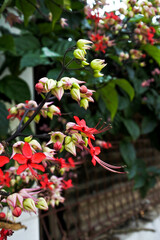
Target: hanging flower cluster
x=28 y=174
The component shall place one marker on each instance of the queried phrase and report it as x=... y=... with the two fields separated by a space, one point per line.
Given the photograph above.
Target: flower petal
x=3 y=160
x=26 y=150
x=36 y=166
x=20 y=158
x=38 y=157
x=21 y=168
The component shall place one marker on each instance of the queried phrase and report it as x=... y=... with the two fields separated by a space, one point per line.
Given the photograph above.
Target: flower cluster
x=32 y=173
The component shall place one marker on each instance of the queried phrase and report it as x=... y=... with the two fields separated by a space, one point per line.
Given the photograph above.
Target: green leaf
x=32 y=60
x=27 y=8
x=48 y=53
x=152 y=51
x=132 y=128
x=128 y=153
x=126 y=86
x=55 y=9
x=139 y=182
x=4 y=5
x=25 y=43
x=15 y=88
x=136 y=18
x=110 y=98
x=53 y=74
x=4 y=123
x=148 y=124
x=7 y=43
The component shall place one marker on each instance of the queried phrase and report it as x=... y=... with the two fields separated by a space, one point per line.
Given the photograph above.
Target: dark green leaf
x=132 y=128
x=32 y=60
x=139 y=182
x=53 y=74
x=15 y=88
x=136 y=18
x=48 y=53
x=27 y=8
x=26 y=43
x=110 y=98
x=148 y=124
x=4 y=5
x=128 y=153
x=152 y=51
x=55 y=9
x=126 y=86
x=4 y=123
x=7 y=43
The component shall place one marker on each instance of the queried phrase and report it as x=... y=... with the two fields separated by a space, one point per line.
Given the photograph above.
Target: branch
x=41 y=13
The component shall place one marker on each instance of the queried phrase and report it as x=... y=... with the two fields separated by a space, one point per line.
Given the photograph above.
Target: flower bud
x=13 y=110
x=79 y=54
x=97 y=64
x=15 y=200
x=42 y=204
x=75 y=93
x=29 y=205
x=58 y=92
x=84 y=103
x=70 y=148
x=37 y=118
x=57 y=146
x=83 y=44
x=39 y=87
x=28 y=139
x=84 y=63
x=68 y=139
x=16 y=212
x=75 y=85
x=83 y=89
x=97 y=73
x=2 y=215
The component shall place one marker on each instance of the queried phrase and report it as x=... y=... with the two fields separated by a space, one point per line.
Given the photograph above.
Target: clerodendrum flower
x=82 y=127
x=29 y=160
x=94 y=151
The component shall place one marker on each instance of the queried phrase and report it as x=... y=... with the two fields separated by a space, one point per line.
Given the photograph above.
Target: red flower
x=4 y=233
x=3 y=160
x=96 y=37
x=113 y=16
x=44 y=181
x=82 y=127
x=29 y=160
x=4 y=179
x=94 y=151
x=100 y=46
x=67 y=184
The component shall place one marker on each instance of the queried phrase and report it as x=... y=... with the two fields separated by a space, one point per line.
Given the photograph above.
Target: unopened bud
x=39 y=87
x=79 y=54
x=84 y=103
x=29 y=205
x=57 y=146
x=28 y=139
x=42 y=204
x=16 y=212
x=2 y=215
x=75 y=93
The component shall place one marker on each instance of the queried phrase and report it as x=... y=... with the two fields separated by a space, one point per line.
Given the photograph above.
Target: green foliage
x=4 y=123
x=152 y=51
x=14 y=88
x=7 y=43
x=55 y=8
x=27 y=8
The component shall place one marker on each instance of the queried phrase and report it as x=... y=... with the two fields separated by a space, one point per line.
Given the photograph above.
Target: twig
x=43 y=15
x=129 y=230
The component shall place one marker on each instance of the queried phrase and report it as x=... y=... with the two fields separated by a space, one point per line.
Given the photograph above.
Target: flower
x=4 y=179
x=94 y=151
x=3 y=160
x=29 y=160
x=67 y=184
x=82 y=127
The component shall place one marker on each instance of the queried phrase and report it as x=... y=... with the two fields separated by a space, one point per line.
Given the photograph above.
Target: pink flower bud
x=16 y=212
x=39 y=87
x=57 y=146
x=2 y=215
x=83 y=89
